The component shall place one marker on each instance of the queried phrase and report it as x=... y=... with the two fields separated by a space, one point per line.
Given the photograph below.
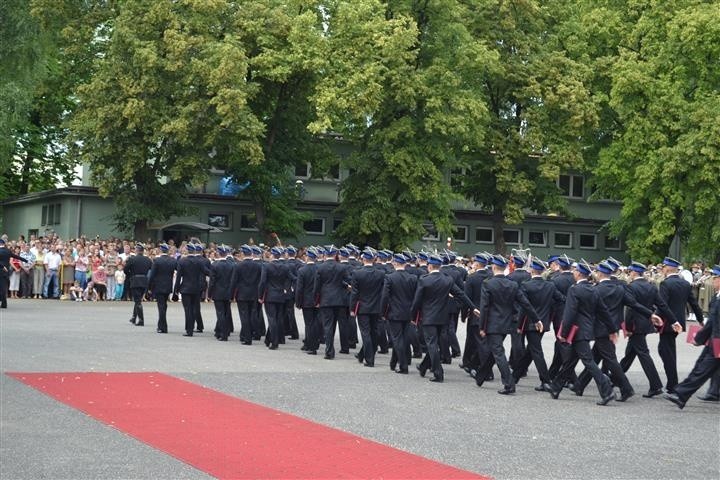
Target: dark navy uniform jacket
x=616 y=296
x=160 y=278
x=646 y=294
x=432 y=299
x=473 y=289
x=331 y=281
x=275 y=282
x=498 y=302
x=305 y=286
x=711 y=328
x=398 y=294
x=136 y=270
x=677 y=293
x=366 y=294
x=583 y=308
x=221 y=278
x=246 y=278
x=190 y=278
x=562 y=281
x=545 y=298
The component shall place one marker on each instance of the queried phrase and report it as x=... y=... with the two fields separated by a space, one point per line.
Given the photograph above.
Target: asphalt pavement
x=527 y=435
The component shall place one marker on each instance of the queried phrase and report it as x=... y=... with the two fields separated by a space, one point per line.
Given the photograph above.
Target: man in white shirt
x=52 y=262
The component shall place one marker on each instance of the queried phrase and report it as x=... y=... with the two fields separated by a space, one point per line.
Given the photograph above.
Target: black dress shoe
x=577 y=391
x=708 y=398
x=540 y=388
x=359 y=358
x=675 y=399
x=346 y=352
x=303 y=348
x=187 y=334
x=368 y=364
x=273 y=347
x=653 y=393
x=479 y=381
x=437 y=379
x=311 y=352
x=625 y=396
x=198 y=331
x=606 y=400
x=140 y=324
x=403 y=371
x=160 y=330
x=132 y=320
x=421 y=370
x=246 y=343
x=490 y=378
x=223 y=339
x=506 y=391
x=549 y=388
x=328 y=357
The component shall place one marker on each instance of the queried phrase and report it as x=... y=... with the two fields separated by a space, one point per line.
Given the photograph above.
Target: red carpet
x=225 y=436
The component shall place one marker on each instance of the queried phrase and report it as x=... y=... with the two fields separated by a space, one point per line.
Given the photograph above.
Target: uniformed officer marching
x=708 y=363
x=365 y=304
x=136 y=270
x=473 y=289
x=221 y=291
x=160 y=283
x=331 y=282
x=563 y=278
x=397 y=297
x=431 y=304
x=273 y=289
x=246 y=278
x=305 y=300
x=189 y=282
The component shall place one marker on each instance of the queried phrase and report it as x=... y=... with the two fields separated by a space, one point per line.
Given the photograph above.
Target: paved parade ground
x=117 y=427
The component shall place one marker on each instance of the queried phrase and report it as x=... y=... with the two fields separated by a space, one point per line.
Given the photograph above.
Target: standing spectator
x=81 y=267
x=39 y=270
x=99 y=278
x=68 y=272
x=111 y=262
x=119 y=283
x=52 y=263
x=26 y=274
x=15 y=268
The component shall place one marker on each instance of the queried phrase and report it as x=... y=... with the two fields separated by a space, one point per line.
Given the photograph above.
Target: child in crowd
x=90 y=294
x=119 y=283
x=76 y=292
x=99 y=277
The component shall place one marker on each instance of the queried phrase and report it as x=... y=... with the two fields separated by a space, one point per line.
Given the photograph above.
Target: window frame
x=594 y=236
x=324 y=225
x=308 y=171
x=557 y=245
x=492 y=236
x=247 y=229
x=228 y=220
x=571 y=186
x=426 y=236
x=545 y=238
x=461 y=240
x=519 y=232
x=605 y=244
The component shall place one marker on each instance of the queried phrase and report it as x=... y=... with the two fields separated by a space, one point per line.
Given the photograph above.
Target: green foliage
x=664 y=161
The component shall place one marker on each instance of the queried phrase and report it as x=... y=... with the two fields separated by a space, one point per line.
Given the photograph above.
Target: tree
x=664 y=160
x=405 y=85
x=542 y=115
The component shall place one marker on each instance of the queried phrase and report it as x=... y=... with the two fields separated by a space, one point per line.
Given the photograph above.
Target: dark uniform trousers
x=414 y=340
x=348 y=329
x=705 y=367
x=137 y=295
x=580 y=349
x=714 y=388
x=604 y=349
x=224 y=319
x=453 y=343
x=258 y=322
x=247 y=314
x=401 y=344
x=188 y=301
x=381 y=337
x=162 y=299
x=330 y=317
x=313 y=332
x=291 y=328
x=432 y=334
x=275 y=314
x=469 y=357
x=534 y=353
x=637 y=346
x=198 y=313
x=4 y=279
x=668 y=353
x=369 y=326
x=494 y=353
x=517 y=352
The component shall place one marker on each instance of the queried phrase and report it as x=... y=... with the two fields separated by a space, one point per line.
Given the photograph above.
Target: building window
x=336 y=224
x=484 y=235
x=537 y=238
x=572 y=186
x=612 y=243
x=563 y=240
x=457 y=177
x=302 y=170
x=511 y=237
x=460 y=234
x=247 y=222
x=431 y=233
x=219 y=220
x=50 y=214
x=334 y=172
x=588 y=241
x=316 y=226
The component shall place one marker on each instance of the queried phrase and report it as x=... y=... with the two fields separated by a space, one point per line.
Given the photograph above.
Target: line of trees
x=152 y=94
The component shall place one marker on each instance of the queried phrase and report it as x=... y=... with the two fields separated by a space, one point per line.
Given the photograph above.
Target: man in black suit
x=677 y=294
x=638 y=326
x=544 y=298
x=431 y=303
x=160 y=283
x=290 y=323
x=398 y=294
x=517 y=338
x=498 y=302
x=258 y=319
x=331 y=285
x=305 y=300
x=583 y=308
x=274 y=286
x=473 y=289
x=205 y=262
x=136 y=270
x=615 y=296
x=708 y=363
x=5 y=256
x=189 y=282
x=246 y=278
x=365 y=304
x=220 y=291
x=450 y=347
x=347 y=324
x=562 y=278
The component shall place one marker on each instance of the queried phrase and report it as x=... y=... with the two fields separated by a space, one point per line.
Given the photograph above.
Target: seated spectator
x=76 y=292
x=90 y=294
x=99 y=278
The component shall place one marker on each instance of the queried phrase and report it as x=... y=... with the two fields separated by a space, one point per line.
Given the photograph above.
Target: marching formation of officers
x=412 y=303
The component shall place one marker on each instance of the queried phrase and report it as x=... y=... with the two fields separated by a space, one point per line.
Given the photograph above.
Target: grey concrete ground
x=528 y=435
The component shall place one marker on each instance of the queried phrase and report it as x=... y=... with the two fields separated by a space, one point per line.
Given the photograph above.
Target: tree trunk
x=140 y=231
x=498 y=222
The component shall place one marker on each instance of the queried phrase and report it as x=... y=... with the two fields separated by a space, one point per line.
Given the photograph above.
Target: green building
x=219 y=217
